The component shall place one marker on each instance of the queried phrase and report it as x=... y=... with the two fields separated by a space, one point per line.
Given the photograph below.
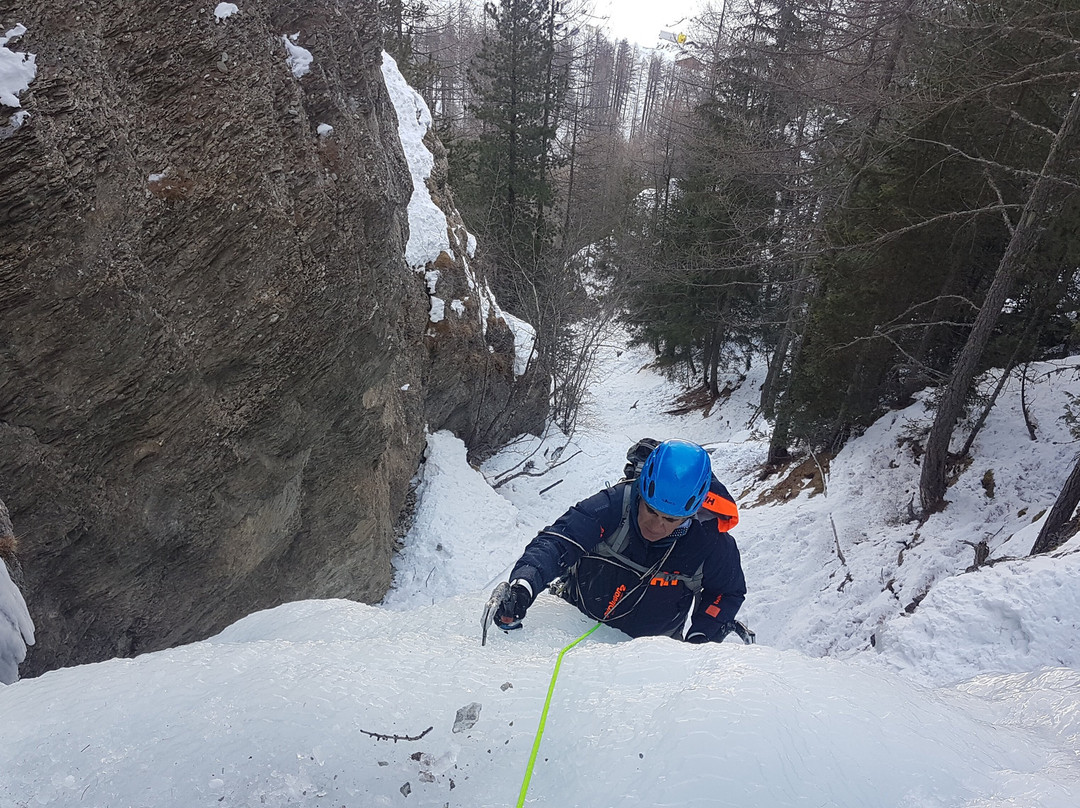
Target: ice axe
x=499 y=596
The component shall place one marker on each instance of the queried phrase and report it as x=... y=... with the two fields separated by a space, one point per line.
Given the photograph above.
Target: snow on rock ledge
x=17 y=70
x=475 y=348
x=427 y=222
x=437 y=236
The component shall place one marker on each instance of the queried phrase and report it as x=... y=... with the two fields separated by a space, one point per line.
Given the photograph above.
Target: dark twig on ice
x=840 y=554
x=395 y=738
x=545 y=490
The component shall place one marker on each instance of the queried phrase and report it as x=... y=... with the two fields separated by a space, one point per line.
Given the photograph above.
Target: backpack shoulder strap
x=615 y=545
x=618 y=541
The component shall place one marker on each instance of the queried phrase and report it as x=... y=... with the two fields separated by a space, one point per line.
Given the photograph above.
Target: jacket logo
x=665 y=579
x=618 y=594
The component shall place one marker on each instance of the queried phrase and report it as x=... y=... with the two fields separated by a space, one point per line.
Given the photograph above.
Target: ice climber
x=644 y=554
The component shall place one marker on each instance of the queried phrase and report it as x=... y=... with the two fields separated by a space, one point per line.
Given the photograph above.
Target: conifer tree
x=519 y=87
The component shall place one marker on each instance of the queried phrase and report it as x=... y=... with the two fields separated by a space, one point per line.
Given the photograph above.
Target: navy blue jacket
x=610 y=592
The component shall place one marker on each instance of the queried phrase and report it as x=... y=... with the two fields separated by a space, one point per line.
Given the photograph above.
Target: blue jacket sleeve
x=723 y=588
x=558 y=547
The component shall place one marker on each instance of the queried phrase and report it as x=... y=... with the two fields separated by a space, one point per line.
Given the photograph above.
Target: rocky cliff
x=216 y=368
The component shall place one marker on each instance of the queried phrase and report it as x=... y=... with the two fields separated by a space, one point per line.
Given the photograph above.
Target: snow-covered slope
x=833 y=573
x=285 y=708
x=971 y=700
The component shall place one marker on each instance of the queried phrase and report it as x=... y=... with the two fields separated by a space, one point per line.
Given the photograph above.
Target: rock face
x=215 y=368
x=474 y=332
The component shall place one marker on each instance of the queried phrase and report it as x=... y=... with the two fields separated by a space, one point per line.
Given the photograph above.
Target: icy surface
x=972 y=700
x=16 y=628
x=463 y=532
x=300 y=705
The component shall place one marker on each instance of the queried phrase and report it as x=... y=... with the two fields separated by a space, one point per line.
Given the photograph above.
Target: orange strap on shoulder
x=727 y=512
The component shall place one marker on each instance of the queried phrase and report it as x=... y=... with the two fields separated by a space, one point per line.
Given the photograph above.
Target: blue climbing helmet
x=675 y=478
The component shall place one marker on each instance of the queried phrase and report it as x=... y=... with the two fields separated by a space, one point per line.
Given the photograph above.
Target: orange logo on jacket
x=714 y=608
x=618 y=594
x=665 y=579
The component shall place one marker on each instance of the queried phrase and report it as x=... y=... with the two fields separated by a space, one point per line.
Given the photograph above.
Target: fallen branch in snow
x=529 y=471
x=836 y=538
x=527 y=461
x=840 y=554
x=824 y=491
x=1055 y=371
x=395 y=738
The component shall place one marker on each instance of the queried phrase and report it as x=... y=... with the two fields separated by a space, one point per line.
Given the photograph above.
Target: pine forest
x=875 y=197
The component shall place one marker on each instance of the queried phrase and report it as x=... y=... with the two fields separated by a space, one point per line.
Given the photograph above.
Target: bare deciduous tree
x=1025 y=236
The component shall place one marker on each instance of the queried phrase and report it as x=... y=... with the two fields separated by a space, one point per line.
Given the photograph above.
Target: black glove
x=511 y=610
x=746 y=635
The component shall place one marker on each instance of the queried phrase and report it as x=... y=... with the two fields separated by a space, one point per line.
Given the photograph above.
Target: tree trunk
x=932 y=483
x=711 y=362
x=793 y=318
x=892 y=56
x=1052 y=533
x=1030 y=335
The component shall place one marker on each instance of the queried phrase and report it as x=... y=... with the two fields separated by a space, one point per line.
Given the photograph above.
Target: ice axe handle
x=499 y=596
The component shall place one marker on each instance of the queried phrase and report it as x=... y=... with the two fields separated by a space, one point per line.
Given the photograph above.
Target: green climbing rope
x=543 y=717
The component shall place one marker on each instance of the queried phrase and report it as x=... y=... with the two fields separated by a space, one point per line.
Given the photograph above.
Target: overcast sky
x=641 y=20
